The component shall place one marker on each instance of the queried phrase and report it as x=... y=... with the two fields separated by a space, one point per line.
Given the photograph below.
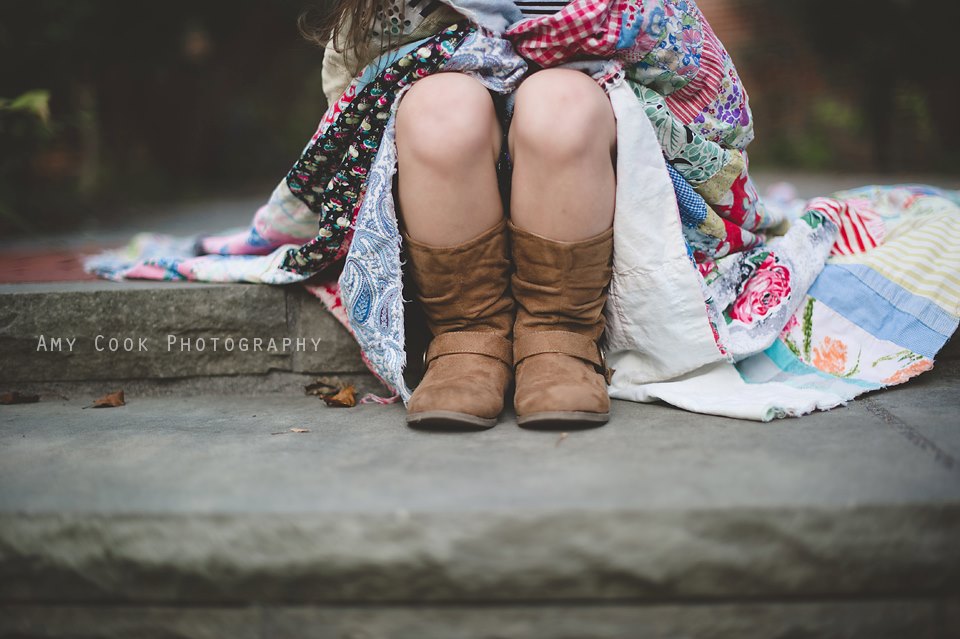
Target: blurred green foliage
x=24 y=127
x=35 y=103
x=148 y=101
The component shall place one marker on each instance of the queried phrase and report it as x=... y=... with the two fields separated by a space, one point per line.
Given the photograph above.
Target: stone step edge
x=147 y=314
x=870 y=618
x=488 y=557
x=271 y=383
x=86 y=309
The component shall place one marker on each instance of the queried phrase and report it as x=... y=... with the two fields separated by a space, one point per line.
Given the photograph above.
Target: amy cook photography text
x=178 y=344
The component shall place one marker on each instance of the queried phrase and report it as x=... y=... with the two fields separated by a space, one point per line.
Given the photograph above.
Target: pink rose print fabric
x=765 y=290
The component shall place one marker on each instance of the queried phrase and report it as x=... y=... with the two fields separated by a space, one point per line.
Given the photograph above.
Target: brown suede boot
x=560 y=289
x=464 y=291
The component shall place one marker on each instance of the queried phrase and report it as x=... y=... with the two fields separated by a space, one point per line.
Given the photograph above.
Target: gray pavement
x=900 y=446
x=810 y=184
x=203 y=216
x=199 y=501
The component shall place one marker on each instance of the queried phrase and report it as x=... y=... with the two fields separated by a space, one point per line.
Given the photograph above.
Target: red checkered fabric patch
x=583 y=28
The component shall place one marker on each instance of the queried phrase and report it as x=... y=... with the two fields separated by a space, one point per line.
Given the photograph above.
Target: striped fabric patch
x=921 y=254
x=846 y=294
x=691 y=100
x=861 y=228
x=539 y=7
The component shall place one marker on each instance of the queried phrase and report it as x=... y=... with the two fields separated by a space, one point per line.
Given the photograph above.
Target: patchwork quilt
x=721 y=301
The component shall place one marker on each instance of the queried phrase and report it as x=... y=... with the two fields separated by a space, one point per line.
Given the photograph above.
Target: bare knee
x=447 y=121
x=561 y=114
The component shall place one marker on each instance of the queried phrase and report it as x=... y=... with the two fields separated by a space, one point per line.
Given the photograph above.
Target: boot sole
x=449 y=420
x=563 y=419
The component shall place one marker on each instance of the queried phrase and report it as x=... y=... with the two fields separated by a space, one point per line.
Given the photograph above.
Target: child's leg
x=562 y=141
x=448 y=142
x=448 y=139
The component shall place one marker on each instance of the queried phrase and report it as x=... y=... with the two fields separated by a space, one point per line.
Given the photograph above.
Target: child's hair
x=348 y=24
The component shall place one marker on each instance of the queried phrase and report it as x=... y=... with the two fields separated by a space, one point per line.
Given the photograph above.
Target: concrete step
x=176 y=338
x=207 y=516
x=172 y=338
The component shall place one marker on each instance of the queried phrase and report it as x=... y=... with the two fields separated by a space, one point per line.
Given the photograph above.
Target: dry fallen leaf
x=333 y=391
x=323 y=386
x=111 y=400
x=16 y=397
x=346 y=398
x=299 y=430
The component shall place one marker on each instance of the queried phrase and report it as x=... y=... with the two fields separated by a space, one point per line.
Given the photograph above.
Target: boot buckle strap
x=478 y=343
x=564 y=342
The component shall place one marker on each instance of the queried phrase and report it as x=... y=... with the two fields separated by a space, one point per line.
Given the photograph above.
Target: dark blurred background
x=105 y=105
